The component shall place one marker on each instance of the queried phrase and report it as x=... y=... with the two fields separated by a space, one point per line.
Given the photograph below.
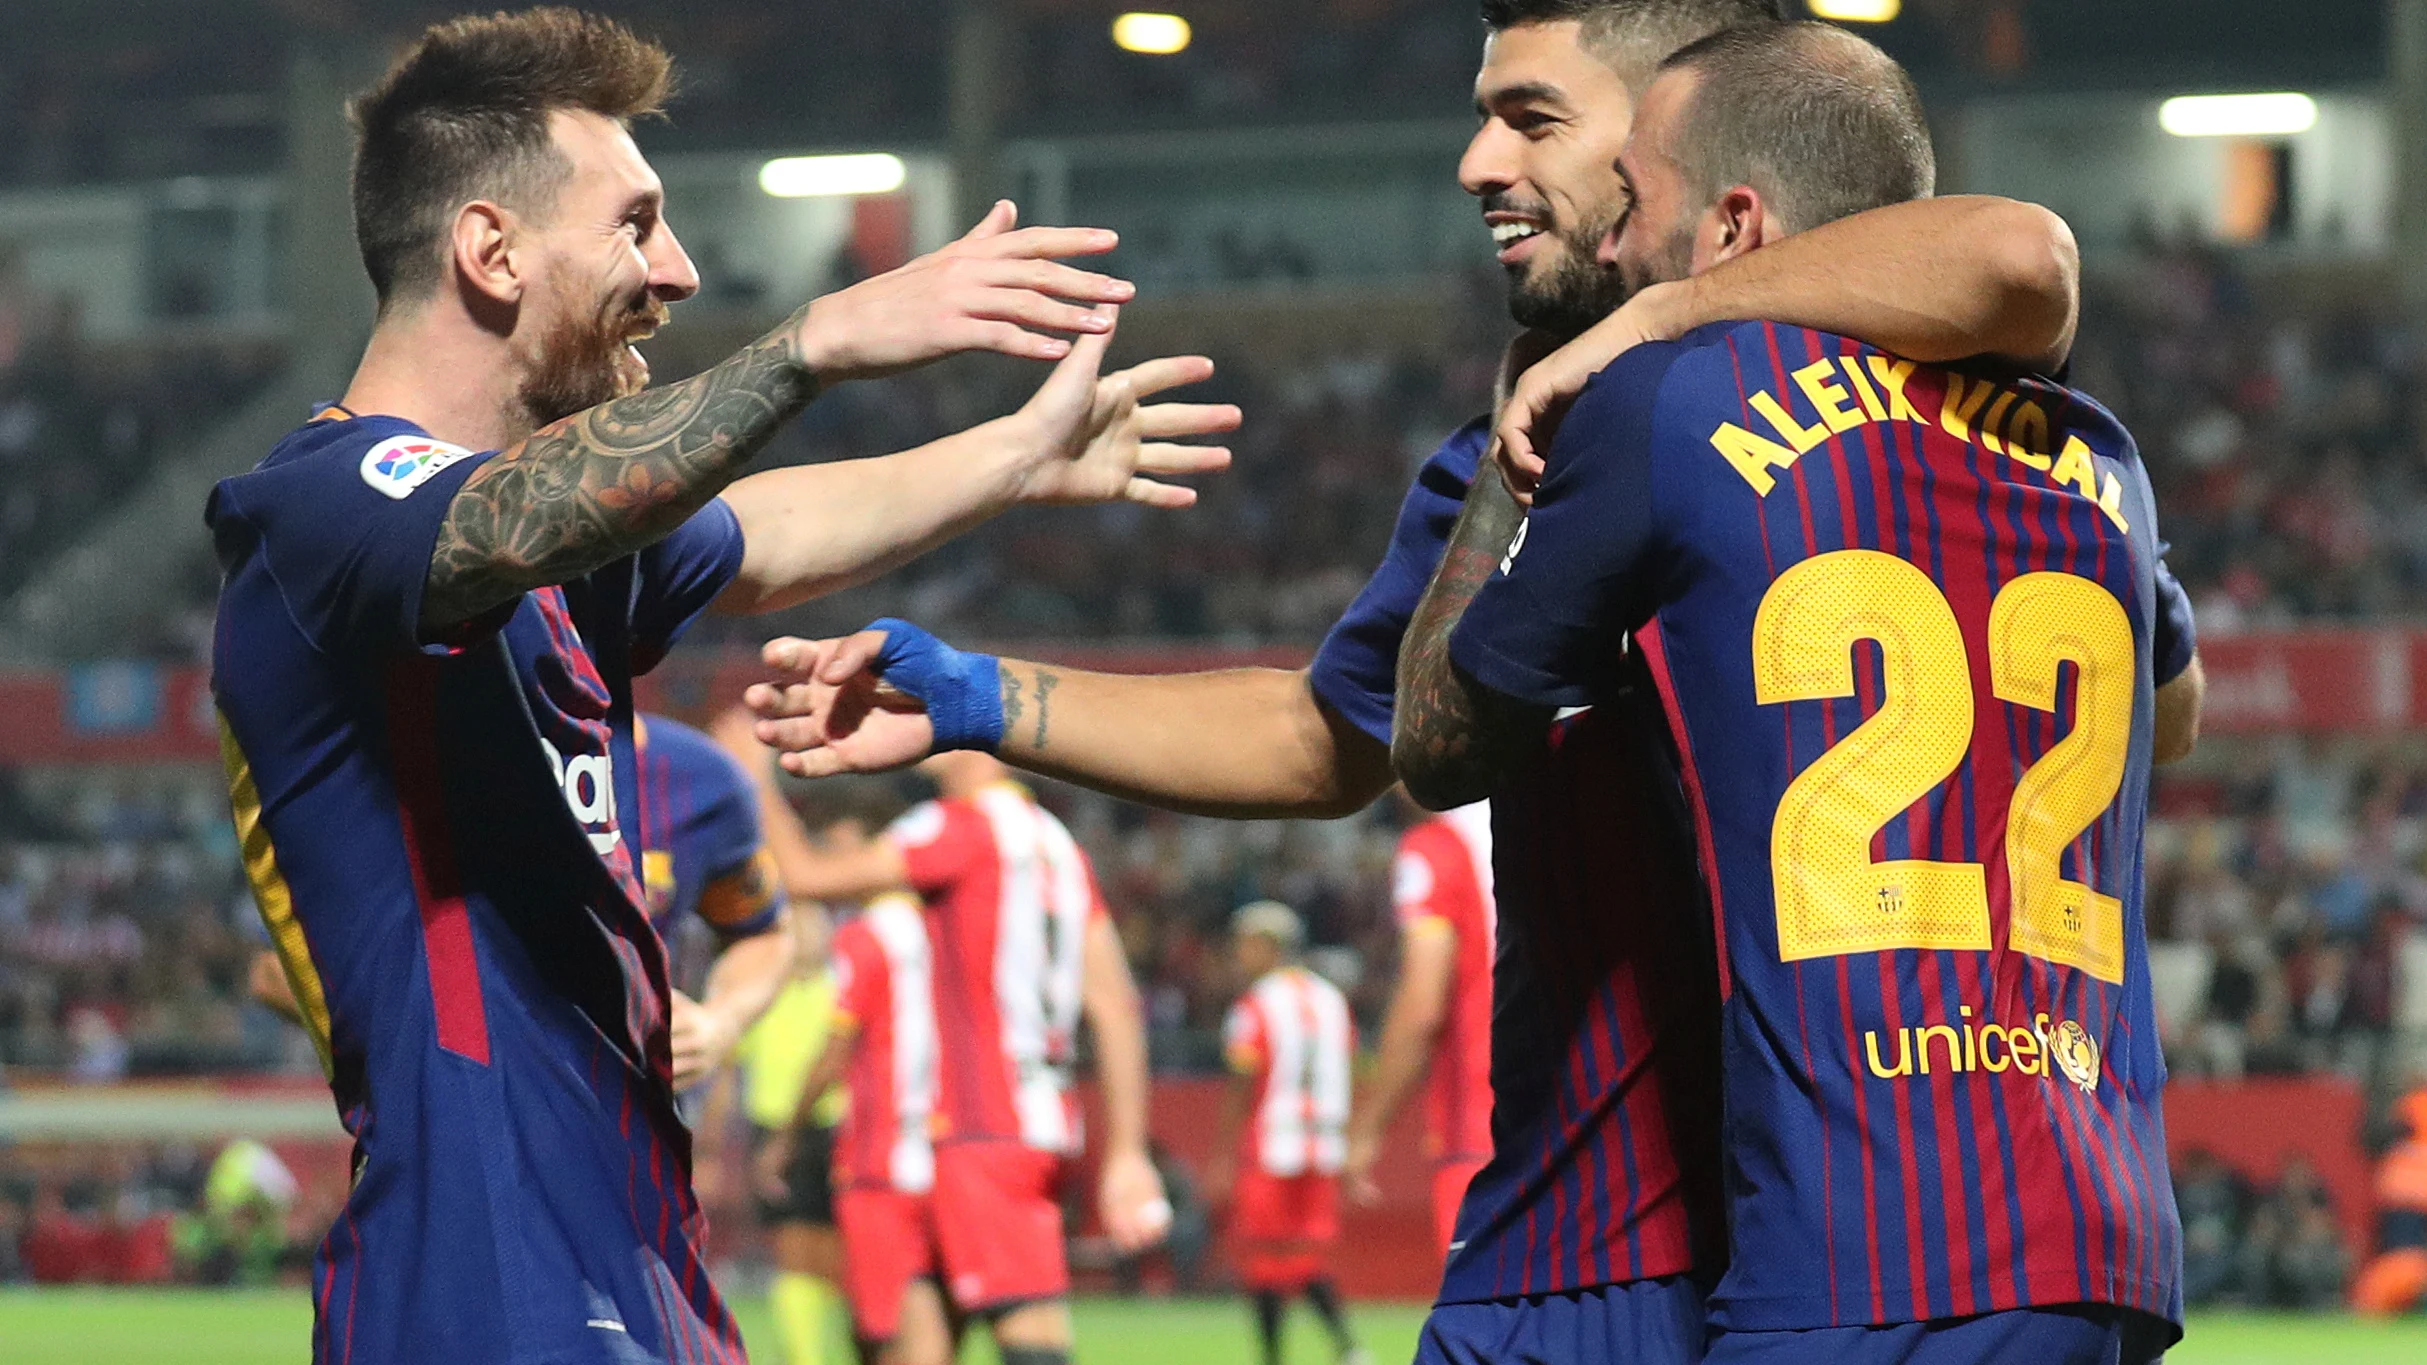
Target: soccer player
x=794 y=1196
x=1603 y=1194
x=436 y=597
x=1908 y=624
x=1440 y=1016
x=701 y=855
x=1024 y=952
x=1283 y=1132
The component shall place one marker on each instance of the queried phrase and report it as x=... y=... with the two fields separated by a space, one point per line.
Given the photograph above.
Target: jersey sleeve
x=346 y=534
x=1355 y=672
x=941 y=842
x=679 y=577
x=1549 y=627
x=1243 y=1044
x=2176 y=637
x=742 y=893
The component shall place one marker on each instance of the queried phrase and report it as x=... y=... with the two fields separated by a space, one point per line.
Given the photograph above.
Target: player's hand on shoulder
x=1538 y=396
x=1001 y=288
x=1093 y=438
x=826 y=708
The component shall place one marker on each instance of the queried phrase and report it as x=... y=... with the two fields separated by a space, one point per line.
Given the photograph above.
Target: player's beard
x=1565 y=290
x=586 y=361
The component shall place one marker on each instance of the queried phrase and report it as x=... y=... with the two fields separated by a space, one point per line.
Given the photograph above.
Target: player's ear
x=1735 y=223
x=481 y=249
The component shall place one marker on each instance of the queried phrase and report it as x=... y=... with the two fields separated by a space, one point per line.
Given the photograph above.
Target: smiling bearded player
x=437 y=597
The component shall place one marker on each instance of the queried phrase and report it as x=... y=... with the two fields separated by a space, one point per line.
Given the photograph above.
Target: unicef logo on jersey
x=588 y=783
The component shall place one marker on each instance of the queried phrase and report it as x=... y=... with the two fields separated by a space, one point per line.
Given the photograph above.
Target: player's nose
x=1491 y=161
x=672 y=276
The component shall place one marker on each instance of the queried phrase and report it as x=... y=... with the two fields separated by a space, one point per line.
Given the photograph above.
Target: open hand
x=1000 y=288
x=828 y=711
x=1095 y=442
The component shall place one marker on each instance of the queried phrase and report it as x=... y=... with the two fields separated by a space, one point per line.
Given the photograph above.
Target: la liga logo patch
x=400 y=464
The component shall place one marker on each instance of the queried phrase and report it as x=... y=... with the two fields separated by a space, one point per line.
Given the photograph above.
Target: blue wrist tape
x=963 y=692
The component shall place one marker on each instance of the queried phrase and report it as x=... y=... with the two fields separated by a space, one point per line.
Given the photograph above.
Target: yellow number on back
x=1832 y=899
x=2040 y=621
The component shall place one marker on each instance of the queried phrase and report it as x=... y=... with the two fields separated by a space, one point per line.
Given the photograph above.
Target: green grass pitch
x=145 y=1327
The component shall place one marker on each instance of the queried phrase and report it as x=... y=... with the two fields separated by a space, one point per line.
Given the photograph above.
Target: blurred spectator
x=2213 y=1200
x=2292 y=1255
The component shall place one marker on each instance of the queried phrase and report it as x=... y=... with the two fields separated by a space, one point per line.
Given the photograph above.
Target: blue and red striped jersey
x=437 y=835
x=1906 y=622
x=1604 y=1040
x=699 y=835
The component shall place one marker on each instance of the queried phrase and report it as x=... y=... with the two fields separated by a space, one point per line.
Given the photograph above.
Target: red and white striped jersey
x=1442 y=882
x=1009 y=900
x=883 y=974
x=1291 y=1033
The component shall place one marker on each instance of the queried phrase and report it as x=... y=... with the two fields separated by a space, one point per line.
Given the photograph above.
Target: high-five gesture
x=997 y=289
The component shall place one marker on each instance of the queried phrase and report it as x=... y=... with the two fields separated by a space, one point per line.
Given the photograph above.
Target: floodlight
x=1156 y=35
x=811 y=177
x=2276 y=115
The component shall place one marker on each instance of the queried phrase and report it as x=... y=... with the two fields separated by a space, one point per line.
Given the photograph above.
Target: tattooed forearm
x=605 y=483
x=1453 y=739
x=1046 y=682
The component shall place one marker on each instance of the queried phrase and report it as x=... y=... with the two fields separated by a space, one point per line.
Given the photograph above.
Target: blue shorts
x=1645 y=1322
x=2077 y=1334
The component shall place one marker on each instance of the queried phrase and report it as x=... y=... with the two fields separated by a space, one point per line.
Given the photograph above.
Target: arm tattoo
x=1046 y=682
x=605 y=483
x=1013 y=707
x=1452 y=739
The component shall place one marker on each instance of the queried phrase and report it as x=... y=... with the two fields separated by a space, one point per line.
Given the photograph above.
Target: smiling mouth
x=1509 y=234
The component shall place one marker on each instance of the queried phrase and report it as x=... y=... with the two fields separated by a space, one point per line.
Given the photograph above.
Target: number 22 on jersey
x=1832 y=898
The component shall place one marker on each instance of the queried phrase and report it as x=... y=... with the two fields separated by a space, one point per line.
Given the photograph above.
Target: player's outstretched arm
x=1419 y=1006
x=617 y=478
x=1250 y=743
x=1083 y=438
x=1932 y=280
x=1129 y=1195
x=1453 y=740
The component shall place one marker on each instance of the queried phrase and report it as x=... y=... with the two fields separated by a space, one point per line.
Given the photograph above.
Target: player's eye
x=1532 y=122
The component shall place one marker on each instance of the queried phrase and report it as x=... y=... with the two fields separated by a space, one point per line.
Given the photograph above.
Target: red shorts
x=1450 y=1180
x=998 y=1224
x=888 y=1242
x=1280 y=1226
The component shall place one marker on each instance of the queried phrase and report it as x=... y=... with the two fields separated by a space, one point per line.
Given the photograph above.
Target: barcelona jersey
x=699 y=835
x=1604 y=1048
x=438 y=833
x=1907 y=622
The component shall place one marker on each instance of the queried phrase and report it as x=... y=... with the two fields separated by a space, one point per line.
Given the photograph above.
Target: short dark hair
x=463 y=115
x=1818 y=120
x=1648 y=29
